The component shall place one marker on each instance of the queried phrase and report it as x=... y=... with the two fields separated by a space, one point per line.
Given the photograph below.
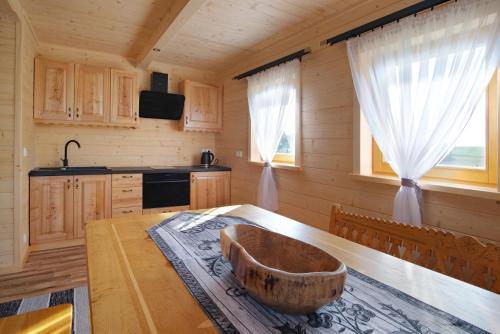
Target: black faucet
x=65 y=160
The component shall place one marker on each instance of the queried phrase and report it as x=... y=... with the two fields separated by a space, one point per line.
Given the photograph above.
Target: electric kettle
x=207 y=158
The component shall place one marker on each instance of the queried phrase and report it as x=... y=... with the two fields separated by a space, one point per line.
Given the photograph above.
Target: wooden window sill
x=487 y=192
x=279 y=165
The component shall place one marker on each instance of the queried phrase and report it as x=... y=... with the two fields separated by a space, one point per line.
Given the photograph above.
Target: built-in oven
x=165 y=189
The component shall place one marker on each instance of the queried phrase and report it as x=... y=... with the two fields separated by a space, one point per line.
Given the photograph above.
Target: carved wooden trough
x=286 y=274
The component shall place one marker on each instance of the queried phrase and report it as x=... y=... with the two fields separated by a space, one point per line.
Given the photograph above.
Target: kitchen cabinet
x=77 y=94
x=91 y=93
x=210 y=189
x=202 y=106
x=60 y=206
x=51 y=209
x=92 y=200
x=124 y=97
x=126 y=195
x=54 y=82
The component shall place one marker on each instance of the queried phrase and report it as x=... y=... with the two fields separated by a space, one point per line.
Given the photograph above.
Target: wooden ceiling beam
x=179 y=13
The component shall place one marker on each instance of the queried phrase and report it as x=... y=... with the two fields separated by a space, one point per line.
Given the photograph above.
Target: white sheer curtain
x=418 y=81
x=273 y=95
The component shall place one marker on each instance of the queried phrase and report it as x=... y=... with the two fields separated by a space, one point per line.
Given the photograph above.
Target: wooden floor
x=46 y=271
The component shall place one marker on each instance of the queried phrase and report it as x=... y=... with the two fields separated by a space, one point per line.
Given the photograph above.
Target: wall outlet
x=239 y=154
x=25 y=152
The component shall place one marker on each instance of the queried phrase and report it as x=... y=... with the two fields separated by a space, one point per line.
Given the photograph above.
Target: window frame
x=468 y=175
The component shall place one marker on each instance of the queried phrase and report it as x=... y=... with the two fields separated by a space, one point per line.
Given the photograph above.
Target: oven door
x=165 y=189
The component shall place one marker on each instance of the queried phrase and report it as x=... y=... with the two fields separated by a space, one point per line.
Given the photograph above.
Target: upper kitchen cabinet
x=53 y=90
x=202 y=107
x=77 y=94
x=91 y=93
x=123 y=97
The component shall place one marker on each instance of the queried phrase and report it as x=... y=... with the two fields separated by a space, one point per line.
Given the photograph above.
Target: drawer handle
x=127 y=176
x=127 y=190
x=127 y=211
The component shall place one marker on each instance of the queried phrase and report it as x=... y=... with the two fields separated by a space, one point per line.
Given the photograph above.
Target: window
x=272 y=99
x=286 y=147
x=474 y=159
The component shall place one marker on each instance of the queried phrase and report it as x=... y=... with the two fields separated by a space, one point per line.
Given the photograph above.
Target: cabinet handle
x=127 y=211
x=77 y=114
x=127 y=176
x=69 y=183
x=127 y=190
x=76 y=183
x=186 y=120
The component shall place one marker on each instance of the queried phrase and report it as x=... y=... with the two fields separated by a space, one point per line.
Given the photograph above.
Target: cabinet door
x=92 y=90
x=92 y=200
x=202 y=107
x=51 y=209
x=124 y=97
x=210 y=190
x=53 y=90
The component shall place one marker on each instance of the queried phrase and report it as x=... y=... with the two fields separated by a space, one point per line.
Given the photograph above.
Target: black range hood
x=157 y=102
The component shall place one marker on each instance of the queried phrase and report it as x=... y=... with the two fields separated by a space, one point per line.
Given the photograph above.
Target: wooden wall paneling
x=54 y=90
x=327 y=123
x=92 y=198
x=152 y=143
x=7 y=131
x=51 y=209
x=92 y=93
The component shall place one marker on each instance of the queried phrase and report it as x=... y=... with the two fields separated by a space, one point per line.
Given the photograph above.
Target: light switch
x=25 y=152
x=239 y=154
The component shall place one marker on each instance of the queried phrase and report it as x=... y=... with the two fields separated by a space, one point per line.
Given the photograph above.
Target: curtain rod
x=396 y=16
x=298 y=54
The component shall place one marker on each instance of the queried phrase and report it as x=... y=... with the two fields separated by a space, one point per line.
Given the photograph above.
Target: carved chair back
x=463 y=257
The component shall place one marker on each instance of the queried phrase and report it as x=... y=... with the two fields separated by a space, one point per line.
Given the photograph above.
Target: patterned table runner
x=190 y=242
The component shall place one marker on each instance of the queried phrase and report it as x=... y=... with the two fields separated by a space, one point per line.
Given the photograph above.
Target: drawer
x=164 y=210
x=126 y=197
x=120 y=212
x=126 y=180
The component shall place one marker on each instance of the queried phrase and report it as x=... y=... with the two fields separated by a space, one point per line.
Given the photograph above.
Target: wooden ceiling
x=215 y=33
x=113 y=26
x=223 y=30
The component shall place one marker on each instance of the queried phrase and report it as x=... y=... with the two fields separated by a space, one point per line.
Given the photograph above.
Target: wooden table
x=134 y=289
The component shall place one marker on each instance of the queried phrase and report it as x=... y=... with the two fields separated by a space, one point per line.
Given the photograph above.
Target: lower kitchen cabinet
x=210 y=189
x=60 y=206
x=92 y=200
x=51 y=209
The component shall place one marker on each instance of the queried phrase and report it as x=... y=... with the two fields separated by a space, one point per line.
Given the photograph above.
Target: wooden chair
x=463 y=257
x=50 y=320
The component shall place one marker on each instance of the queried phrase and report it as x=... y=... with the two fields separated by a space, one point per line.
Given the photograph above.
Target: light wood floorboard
x=46 y=271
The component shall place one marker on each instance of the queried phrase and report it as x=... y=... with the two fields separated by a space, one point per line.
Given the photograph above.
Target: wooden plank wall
x=155 y=142
x=327 y=141
x=29 y=51
x=7 y=109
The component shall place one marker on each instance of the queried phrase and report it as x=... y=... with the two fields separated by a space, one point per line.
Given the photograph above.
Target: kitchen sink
x=89 y=168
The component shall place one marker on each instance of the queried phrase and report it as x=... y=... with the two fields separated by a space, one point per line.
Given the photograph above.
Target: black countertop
x=56 y=171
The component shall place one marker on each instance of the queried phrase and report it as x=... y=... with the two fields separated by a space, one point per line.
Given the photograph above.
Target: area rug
x=77 y=296
x=191 y=243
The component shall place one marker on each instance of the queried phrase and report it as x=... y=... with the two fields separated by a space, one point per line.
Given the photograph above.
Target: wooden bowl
x=286 y=274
